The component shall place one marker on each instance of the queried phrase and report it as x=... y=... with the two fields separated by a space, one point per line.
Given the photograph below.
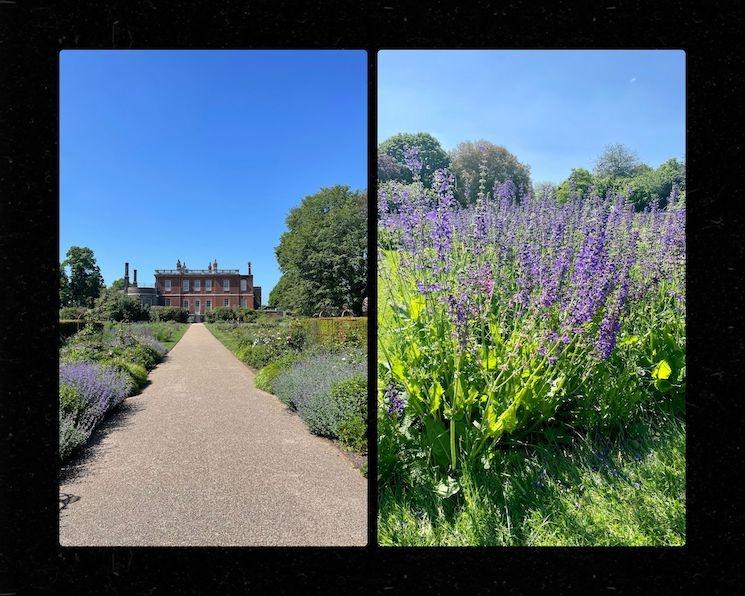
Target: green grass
x=175 y=336
x=583 y=492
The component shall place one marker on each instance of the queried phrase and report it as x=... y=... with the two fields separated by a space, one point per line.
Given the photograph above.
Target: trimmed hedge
x=69 y=327
x=169 y=313
x=328 y=331
x=226 y=313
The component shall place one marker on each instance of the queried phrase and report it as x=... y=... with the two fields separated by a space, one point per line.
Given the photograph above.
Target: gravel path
x=202 y=457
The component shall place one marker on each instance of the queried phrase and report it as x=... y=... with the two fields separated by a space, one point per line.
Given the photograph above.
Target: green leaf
x=632 y=339
x=447 y=488
x=661 y=371
x=416 y=306
x=435 y=394
x=438 y=439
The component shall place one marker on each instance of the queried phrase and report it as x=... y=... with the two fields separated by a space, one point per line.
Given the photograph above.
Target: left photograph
x=213 y=298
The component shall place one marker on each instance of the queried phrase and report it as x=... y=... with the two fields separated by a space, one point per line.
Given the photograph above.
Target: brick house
x=198 y=290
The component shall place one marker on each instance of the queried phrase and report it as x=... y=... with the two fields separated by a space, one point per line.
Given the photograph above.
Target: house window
x=185 y=304
x=197 y=284
x=243 y=303
x=243 y=285
x=208 y=305
x=197 y=304
x=208 y=285
x=167 y=285
x=185 y=285
x=226 y=302
x=226 y=285
x=168 y=302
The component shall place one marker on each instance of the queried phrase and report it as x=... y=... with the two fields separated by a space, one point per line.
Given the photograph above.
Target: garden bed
x=325 y=384
x=100 y=366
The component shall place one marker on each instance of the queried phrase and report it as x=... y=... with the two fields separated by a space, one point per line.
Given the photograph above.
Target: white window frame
x=244 y=285
x=185 y=285
x=197 y=306
x=167 y=285
x=197 y=284
x=208 y=285
x=186 y=304
x=168 y=302
x=226 y=285
x=208 y=305
x=243 y=303
x=225 y=302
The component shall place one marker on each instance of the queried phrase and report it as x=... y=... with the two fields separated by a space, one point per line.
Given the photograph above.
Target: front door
x=197 y=304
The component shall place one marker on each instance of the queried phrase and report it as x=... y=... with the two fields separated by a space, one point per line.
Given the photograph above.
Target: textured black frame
x=32 y=34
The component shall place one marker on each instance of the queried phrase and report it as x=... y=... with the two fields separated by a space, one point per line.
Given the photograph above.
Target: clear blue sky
x=197 y=155
x=554 y=110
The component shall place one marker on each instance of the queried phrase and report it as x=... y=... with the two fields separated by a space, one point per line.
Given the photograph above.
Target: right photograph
x=531 y=298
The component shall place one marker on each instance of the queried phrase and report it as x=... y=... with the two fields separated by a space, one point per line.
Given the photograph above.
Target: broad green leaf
x=661 y=370
x=447 y=488
x=416 y=306
x=435 y=394
x=632 y=339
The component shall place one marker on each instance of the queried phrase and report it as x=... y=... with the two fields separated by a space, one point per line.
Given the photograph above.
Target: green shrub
x=71 y=313
x=327 y=412
x=353 y=434
x=260 y=355
x=137 y=372
x=266 y=376
x=169 y=313
x=226 y=313
x=70 y=400
x=70 y=436
x=113 y=305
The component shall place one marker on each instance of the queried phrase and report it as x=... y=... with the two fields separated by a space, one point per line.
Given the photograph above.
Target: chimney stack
x=249 y=267
x=134 y=283
x=126 y=277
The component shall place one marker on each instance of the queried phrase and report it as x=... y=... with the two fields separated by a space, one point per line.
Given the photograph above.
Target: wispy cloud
x=633 y=80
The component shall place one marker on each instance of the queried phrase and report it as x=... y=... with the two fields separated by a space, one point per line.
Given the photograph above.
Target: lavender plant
x=497 y=317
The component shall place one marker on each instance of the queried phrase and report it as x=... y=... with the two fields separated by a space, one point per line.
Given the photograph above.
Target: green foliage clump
x=169 y=313
x=112 y=305
x=71 y=437
x=136 y=372
x=323 y=253
x=479 y=165
x=266 y=376
x=68 y=328
x=350 y=331
x=391 y=162
x=72 y=313
x=84 y=282
x=70 y=400
x=226 y=313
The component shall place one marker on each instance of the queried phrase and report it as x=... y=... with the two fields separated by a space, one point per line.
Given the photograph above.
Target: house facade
x=198 y=290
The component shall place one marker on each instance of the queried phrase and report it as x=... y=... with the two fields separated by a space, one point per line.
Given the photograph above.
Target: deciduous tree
x=323 y=253
x=85 y=280
x=431 y=153
x=467 y=161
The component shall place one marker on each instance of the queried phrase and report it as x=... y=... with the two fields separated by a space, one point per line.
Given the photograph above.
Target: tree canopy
x=466 y=161
x=117 y=284
x=84 y=281
x=323 y=253
x=392 y=164
x=617 y=161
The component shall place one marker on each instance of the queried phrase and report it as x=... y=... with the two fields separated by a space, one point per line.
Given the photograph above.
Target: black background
x=32 y=34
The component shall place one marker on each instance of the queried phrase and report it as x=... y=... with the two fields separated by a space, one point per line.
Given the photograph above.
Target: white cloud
x=633 y=80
